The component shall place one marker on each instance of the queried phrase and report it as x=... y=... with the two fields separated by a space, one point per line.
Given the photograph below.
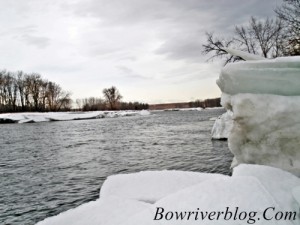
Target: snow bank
x=65 y=116
x=222 y=126
x=252 y=188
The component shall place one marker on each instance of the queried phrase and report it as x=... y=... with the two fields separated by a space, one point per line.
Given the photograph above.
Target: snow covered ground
x=65 y=116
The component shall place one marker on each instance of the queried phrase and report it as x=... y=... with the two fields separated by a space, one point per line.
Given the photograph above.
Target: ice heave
x=280 y=76
x=266 y=130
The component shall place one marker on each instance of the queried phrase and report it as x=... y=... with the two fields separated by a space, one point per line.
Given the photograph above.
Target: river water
x=47 y=168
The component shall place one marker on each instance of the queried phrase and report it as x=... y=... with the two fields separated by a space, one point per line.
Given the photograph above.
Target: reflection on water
x=47 y=168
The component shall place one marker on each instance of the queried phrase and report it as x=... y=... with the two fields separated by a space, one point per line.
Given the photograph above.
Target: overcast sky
x=149 y=49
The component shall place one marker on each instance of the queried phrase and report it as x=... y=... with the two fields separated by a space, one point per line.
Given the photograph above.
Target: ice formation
x=222 y=126
x=65 y=116
x=244 y=55
x=278 y=76
x=264 y=97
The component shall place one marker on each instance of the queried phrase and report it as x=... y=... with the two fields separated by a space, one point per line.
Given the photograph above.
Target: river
x=50 y=167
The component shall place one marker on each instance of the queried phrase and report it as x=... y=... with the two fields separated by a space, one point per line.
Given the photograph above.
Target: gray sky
x=149 y=49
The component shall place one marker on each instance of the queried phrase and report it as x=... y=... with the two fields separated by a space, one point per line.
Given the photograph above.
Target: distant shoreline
x=207 y=103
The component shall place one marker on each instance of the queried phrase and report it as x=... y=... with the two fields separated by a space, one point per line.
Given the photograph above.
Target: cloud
x=155 y=43
x=179 y=25
x=27 y=34
x=129 y=73
x=38 y=41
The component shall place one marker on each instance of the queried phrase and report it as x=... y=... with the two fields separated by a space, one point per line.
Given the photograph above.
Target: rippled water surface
x=47 y=168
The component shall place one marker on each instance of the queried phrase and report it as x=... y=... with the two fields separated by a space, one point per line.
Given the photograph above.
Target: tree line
x=111 y=101
x=207 y=103
x=270 y=38
x=22 y=92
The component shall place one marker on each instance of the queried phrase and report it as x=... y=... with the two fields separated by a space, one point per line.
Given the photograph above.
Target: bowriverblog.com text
x=228 y=214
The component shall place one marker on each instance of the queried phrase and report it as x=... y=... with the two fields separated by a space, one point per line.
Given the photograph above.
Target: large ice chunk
x=251 y=189
x=266 y=130
x=222 y=126
x=280 y=76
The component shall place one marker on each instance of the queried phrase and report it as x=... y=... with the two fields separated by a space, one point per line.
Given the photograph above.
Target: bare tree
x=35 y=82
x=261 y=37
x=112 y=97
x=57 y=99
x=289 y=12
x=216 y=45
x=21 y=86
x=23 y=92
x=258 y=37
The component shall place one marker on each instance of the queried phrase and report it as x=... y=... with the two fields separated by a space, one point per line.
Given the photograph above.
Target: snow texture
x=280 y=76
x=65 y=116
x=150 y=186
x=222 y=126
x=251 y=188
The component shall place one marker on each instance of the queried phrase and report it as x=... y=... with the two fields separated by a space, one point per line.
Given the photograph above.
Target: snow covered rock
x=222 y=126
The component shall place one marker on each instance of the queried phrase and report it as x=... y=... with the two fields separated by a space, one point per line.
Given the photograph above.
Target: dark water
x=47 y=168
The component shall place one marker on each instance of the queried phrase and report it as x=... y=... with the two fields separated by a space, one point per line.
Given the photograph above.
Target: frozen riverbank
x=65 y=116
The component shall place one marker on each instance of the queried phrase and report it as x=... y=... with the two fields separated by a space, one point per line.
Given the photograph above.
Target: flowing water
x=47 y=168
